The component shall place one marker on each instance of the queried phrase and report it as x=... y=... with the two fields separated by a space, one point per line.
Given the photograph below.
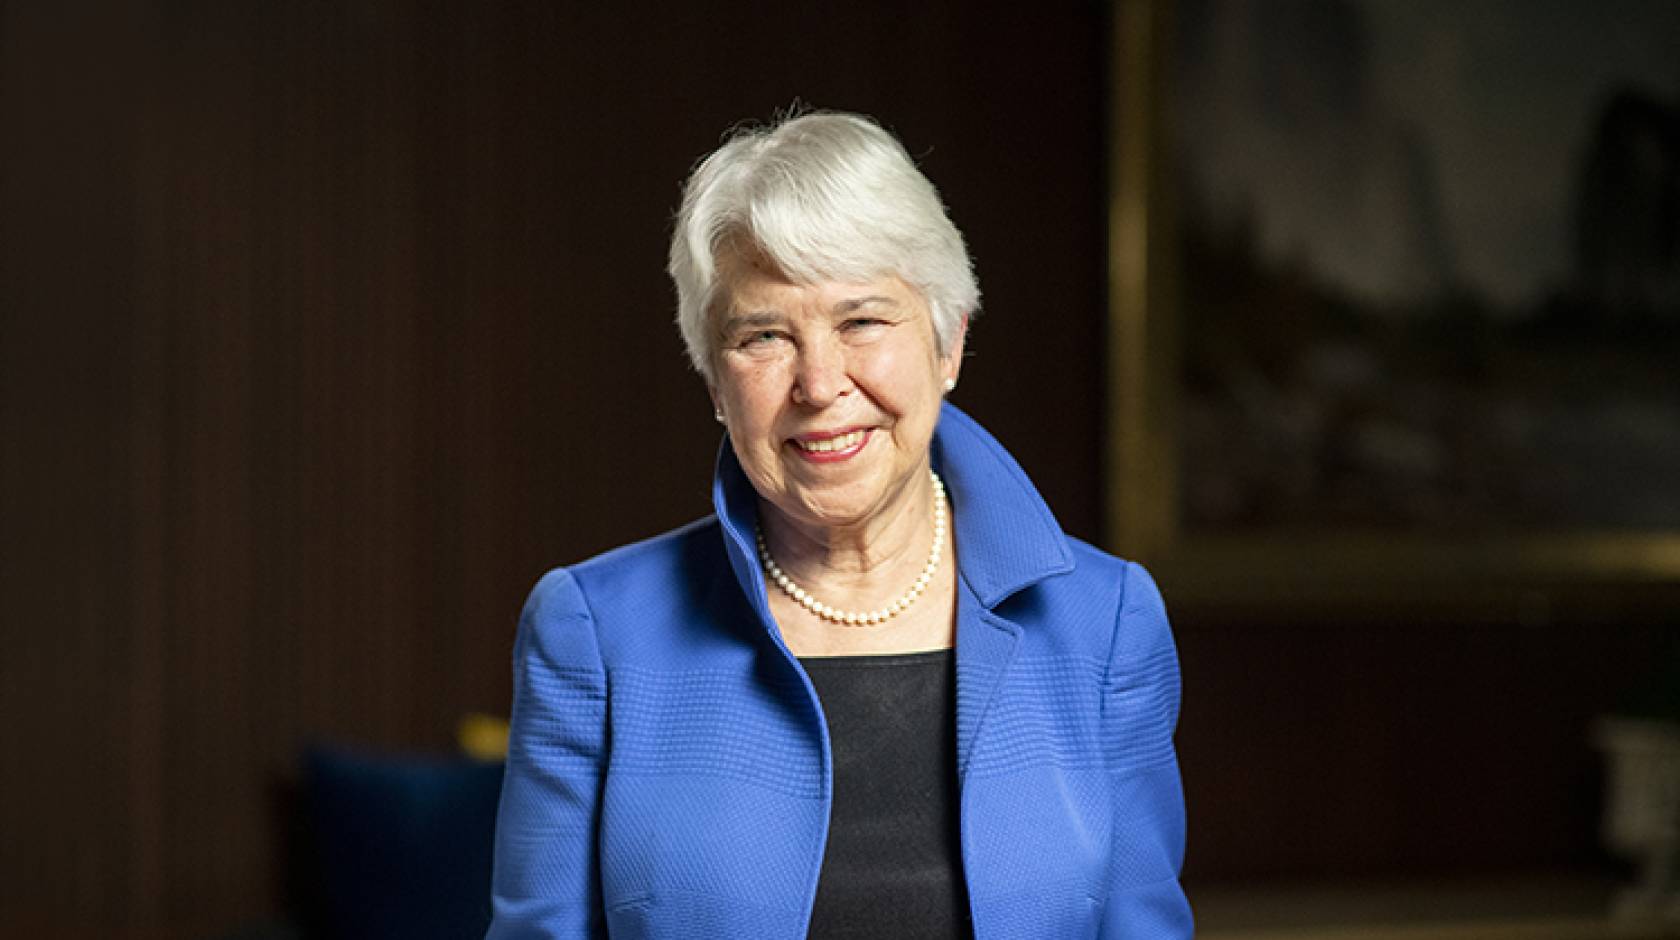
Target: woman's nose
x=821 y=376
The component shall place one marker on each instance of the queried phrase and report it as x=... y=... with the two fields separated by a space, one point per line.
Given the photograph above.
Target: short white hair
x=823 y=196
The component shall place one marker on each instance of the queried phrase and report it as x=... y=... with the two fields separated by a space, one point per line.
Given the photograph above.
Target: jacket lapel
x=986 y=646
x=736 y=504
x=1007 y=540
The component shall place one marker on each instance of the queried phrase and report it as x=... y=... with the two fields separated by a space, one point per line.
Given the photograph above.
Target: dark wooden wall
x=326 y=327
x=329 y=326
x=1388 y=743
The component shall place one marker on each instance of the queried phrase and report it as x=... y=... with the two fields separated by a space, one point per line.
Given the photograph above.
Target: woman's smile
x=831 y=447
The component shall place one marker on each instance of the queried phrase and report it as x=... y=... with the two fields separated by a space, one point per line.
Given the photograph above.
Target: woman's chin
x=828 y=516
x=827 y=507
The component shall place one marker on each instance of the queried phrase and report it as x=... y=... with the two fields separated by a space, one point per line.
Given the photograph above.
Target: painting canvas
x=1427 y=265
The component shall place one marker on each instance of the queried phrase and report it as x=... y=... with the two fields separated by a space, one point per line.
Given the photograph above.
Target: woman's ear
x=717 y=404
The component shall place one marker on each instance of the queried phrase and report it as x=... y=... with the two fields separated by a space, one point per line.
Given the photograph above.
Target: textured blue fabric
x=669 y=768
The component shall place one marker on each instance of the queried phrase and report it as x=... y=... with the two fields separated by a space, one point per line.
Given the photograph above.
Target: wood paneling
x=325 y=328
x=1375 y=745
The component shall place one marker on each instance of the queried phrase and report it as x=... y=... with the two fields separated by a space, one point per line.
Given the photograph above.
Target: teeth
x=842 y=442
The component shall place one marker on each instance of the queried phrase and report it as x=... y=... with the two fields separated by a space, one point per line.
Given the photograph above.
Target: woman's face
x=830 y=391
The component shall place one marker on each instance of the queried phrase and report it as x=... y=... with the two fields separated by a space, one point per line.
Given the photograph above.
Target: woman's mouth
x=825 y=449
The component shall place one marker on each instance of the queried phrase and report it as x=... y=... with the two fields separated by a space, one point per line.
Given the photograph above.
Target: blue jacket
x=669 y=771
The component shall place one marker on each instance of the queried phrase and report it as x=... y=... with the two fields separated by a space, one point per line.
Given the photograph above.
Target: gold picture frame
x=1345 y=570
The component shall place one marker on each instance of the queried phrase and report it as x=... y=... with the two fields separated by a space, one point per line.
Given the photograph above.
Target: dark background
x=325 y=328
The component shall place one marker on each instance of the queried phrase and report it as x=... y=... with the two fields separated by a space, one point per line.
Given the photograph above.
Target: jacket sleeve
x=1139 y=715
x=547 y=881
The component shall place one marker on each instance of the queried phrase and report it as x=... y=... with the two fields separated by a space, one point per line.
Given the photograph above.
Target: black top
x=893 y=866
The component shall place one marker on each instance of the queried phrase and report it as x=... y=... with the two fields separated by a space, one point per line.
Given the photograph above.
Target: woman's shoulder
x=1100 y=606
x=1096 y=569
x=657 y=554
x=1142 y=631
x=655 y=585
x=649 y=562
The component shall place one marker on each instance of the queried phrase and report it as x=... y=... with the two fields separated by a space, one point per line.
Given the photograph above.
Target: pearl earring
x=950 y=386
x=717 y=413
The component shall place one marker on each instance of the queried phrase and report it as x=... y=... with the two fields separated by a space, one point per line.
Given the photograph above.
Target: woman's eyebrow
x=756 y=320
x=858 y=303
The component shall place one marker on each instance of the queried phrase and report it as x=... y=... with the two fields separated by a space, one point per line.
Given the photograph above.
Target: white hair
x=824 y=196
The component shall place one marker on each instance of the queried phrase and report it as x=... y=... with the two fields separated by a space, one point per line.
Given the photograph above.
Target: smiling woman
x=880 y=693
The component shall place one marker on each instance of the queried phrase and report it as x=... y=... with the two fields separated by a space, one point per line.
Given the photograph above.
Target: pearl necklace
x=864 y=618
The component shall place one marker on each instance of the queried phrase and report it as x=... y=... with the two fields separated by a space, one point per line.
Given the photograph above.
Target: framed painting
x=1395 y=296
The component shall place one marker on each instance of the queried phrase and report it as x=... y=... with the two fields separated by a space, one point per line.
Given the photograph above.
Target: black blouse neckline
x=853 y=660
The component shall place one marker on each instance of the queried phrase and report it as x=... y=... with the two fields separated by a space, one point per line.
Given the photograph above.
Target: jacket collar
x=1007 y=539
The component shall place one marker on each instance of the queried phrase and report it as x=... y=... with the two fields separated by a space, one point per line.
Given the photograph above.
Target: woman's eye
x=863 y=323
x=760 y=338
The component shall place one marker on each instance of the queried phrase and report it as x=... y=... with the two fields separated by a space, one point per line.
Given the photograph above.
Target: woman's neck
x=855 y=566
x=862 y=570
